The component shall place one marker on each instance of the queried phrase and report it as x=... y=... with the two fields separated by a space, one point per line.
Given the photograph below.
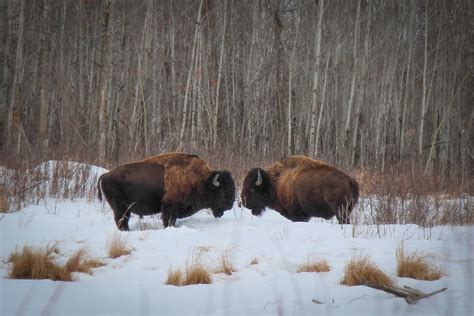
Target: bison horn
x=259 y=179
x=214 y=180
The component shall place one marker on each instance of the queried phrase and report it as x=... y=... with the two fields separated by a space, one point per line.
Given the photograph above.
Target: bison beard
x=299 y=188
x=133 y=188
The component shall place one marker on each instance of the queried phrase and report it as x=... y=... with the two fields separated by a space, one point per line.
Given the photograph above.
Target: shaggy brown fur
x=183 y=173
x=189 y=187
x=299 y=187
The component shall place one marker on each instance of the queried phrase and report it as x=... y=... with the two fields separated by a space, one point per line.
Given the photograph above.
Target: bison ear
x=259 y=179
x=214 y=180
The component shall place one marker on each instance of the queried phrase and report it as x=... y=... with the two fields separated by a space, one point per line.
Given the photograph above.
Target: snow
x=134 y=284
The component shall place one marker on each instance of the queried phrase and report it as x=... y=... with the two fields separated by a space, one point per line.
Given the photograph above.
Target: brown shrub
x=417 y=266
x=254 y=261
x=361 y=271
x=117 y=247
x=40 y=264
x=315 y=266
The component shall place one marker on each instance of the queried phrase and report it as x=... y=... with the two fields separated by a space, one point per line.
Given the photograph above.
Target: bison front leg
x=168 y=218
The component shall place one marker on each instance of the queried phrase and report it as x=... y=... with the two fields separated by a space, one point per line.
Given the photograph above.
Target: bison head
x=221 y=191
x=256 y=191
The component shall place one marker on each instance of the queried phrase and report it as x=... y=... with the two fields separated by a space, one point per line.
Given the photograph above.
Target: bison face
x=256 y=191
x=221 y=192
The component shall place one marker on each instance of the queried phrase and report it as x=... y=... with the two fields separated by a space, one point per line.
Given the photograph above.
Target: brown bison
x=133 y=188
x=299 y=188
x=192 y=186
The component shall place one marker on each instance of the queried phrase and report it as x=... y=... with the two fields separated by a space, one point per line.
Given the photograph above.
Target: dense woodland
x=360 y=83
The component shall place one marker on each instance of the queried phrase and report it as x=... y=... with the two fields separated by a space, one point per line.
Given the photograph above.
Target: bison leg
x=168 y=219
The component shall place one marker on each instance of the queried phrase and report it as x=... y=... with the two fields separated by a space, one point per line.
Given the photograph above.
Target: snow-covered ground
x=134 y=284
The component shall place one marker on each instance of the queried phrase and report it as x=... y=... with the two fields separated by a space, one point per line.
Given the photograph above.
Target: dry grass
x=225 y=266
x=194 y=274
x=80 y=262
x=361 y=271
x=174 y=277
x=254 y=261
x=32 y=263
x=315 y=266
x=117 y=247
x=417 y=266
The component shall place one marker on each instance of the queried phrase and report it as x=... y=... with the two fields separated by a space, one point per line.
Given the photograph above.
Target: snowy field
x=134 y=284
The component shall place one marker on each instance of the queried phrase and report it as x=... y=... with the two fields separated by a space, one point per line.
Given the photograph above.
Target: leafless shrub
x=58 y=179
x=361 y=271
x=417 y=266
x=117 y=247
x=314 y=266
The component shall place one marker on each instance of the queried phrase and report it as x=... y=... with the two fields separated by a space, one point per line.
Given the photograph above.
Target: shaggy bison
x=133 y=188
x=192 y=186
x=299 y=188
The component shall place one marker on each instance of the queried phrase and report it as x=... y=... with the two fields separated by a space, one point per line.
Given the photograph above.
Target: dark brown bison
x=133 y=188
x=299 y=188
x=192 y=186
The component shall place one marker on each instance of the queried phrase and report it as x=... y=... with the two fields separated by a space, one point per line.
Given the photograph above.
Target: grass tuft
x=361 y=271
x=254 y=261
x=175 y=277
x=117 y=247
x=417 y=266
x=315 y=266
x=32 y=263
x=194 y=274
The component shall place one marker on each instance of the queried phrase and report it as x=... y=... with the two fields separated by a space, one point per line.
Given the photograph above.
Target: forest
x=373 y=85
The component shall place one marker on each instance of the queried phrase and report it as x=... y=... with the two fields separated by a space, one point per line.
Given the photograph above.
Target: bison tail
x=99 y=190
x=355 y=192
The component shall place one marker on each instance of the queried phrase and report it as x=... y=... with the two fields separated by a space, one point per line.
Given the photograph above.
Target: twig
x=411 y=295
x=415 y=299
x=355 y=299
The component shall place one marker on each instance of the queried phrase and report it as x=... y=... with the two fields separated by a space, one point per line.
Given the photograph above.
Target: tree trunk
x=103 y=82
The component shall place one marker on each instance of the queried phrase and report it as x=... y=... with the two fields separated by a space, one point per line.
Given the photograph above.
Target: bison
x=299 y=188
x=136 y=187
x=192 y=186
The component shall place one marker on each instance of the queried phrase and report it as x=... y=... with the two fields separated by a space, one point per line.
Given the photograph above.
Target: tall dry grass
x=225 y=265
x=418 y=266
x=31 y=263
